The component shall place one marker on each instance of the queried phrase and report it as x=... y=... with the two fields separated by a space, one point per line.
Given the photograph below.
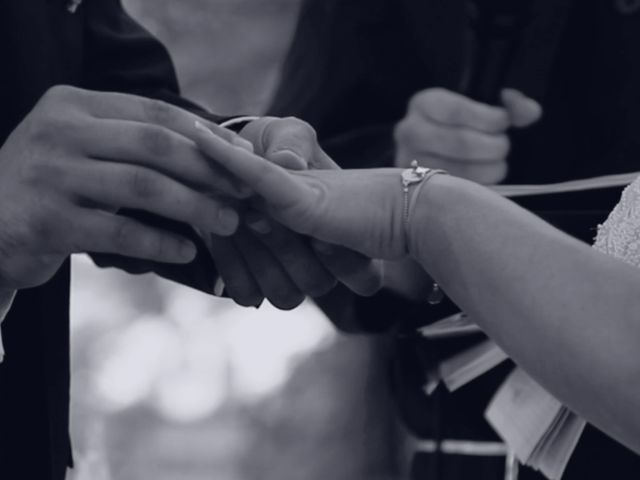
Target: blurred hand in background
x=443 y=129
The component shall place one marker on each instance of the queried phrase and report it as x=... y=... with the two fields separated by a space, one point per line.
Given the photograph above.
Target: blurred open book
x=536 y=427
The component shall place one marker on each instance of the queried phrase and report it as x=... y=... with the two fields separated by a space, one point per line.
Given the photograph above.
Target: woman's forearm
x=566 y=313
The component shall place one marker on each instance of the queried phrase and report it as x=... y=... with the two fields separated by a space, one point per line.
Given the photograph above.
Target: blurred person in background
x=97 y=157
x=381 y=82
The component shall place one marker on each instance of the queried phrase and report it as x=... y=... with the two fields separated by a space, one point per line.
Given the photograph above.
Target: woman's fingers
x=271 y=182
x=128 y=186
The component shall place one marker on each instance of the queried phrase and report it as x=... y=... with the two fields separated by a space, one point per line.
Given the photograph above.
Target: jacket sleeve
x=120 y=55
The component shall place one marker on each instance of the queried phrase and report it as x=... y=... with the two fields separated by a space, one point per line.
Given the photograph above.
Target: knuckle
x=418 y=100
x=43 y=174
x=124 y=237
x=157 y=111
x=157 y=141
x=320 y=287
x=432 y=98
x=61 y=93
x=400 y=130
x=439 y=140
x=143 y=184
x=465 y=145
x=287 y=132
x=41 y=224
x=502 y=146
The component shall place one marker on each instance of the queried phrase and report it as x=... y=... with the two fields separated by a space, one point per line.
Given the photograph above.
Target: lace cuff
x=619 y=236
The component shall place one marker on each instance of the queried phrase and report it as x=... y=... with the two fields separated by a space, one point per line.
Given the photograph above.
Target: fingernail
x=288 y=159
x=259 y=304
x=228 y=219
x=202 y=127
x=187 y=250
x=258 y=223
x=243 y=143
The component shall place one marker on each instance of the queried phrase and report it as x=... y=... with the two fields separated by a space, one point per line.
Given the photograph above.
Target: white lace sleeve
x=619 y=236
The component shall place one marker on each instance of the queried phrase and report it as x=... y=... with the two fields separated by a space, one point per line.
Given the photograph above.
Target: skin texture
x=564 y=312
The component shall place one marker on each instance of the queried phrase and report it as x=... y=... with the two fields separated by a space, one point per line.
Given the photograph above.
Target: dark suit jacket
x=101 y=48
x=351 y=70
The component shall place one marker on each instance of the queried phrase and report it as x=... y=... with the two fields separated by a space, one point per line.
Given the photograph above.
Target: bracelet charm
x=413 y=176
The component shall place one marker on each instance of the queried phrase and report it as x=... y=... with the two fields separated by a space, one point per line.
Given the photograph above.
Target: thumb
x=287 y=142
x=522 y=110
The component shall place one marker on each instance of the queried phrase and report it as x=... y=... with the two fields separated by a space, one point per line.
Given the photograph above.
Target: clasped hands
x=81 y=157
x=265 y=259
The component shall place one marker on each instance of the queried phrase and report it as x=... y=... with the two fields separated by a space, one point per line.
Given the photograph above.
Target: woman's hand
x=359 y=209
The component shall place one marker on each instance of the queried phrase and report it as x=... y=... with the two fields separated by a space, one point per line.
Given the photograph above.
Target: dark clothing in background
x=351 y=70
x=100 y=48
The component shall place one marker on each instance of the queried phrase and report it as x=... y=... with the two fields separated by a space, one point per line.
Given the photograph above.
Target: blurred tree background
x=169 y=383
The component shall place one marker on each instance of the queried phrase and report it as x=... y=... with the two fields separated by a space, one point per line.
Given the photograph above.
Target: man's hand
x=78 y=158
x=266 y=259
x=446 y=130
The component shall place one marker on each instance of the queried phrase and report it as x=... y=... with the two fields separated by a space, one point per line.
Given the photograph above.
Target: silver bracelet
x=417 y=175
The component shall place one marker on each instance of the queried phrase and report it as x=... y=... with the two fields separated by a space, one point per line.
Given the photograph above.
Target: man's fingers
x=294 y=254
x=523 y=111
x=102 y=232
x=273 y=279
x=455 y=110
x=360 y=274
x=459 y=144
x=123 y=106
x=273 y=183
x=128 y=186
x=232 y=268
x=160 y=149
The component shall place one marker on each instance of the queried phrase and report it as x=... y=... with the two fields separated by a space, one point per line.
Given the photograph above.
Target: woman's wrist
x=423 y=216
